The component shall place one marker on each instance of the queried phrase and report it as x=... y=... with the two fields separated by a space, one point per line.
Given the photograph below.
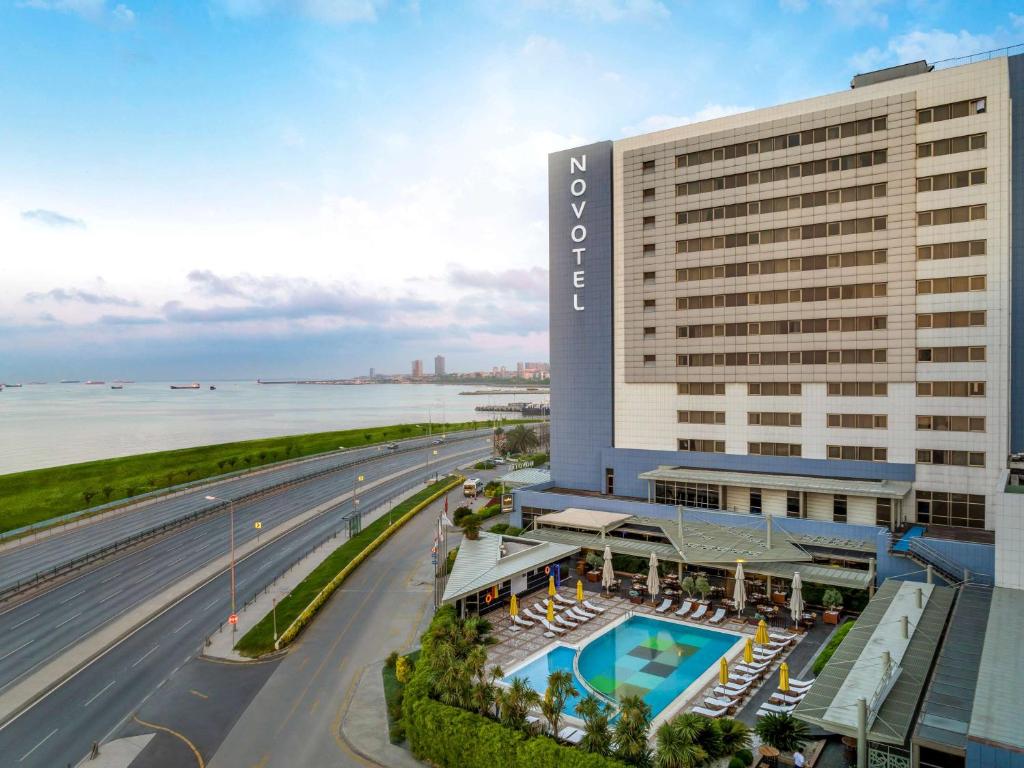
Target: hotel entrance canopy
x=886 y=489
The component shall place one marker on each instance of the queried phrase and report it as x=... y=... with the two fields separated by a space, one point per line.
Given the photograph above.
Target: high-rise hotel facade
x=813 y=310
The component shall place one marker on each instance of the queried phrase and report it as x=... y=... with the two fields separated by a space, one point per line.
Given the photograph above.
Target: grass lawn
x=260 y=639
x=830 y=648
x=393 y=700
x=41 y=494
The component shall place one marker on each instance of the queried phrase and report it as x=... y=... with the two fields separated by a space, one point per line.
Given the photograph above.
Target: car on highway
x=392 y=446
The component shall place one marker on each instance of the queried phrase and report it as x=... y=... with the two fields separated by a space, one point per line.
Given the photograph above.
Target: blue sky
x=207 y=188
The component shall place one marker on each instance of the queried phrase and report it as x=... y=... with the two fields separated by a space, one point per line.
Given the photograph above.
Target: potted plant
x=832 y=599
x=781 y=731
x=702 y=586
x=595 y=561
x=688 y=586
x=471 y=527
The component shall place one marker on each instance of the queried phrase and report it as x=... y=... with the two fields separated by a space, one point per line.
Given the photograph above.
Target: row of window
x=961 y=284
x=858 y=420
x=700 y=417
x=781 y=296
x=943 y=181
x=786 y=141
x=774 y=449
x=856 y=453
x=782 y=204
x=782 y=172
x=805 y=357
x=956 y=250
x=843 y=452
x=962 y=319
x=781 y=327
x=784 y=265
x=951 y=146
x=950 y=111
x=945 y=508
x=774 y=419
x=958 y=214
x=951 y=354
x=951 y=423
x=836 y=388
x=859 y=226
x=701 y=446
x=953 y=458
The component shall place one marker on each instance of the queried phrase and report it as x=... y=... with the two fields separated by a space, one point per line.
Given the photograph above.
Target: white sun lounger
x=740 y=678
x=753 y=667
x=778 y=709
x=566 y=732
x=718 y=617
x=782 y=637
x=579 y=613
x=591 y=607
x=786 y=698
x=665 y=605
x=576 y=737
x=709 y=712
x=560 y=619
x=699 y=613
x=716 y=703
x=563 y=600
x=521 y=621
x=731 y=690
x=794 y=683
x=531 y=615
x=686 y=607
x=540 y=608
x=551 y=627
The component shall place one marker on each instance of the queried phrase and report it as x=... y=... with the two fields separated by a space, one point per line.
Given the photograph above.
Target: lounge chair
x=782 y=637
x=576 y=737
x=531 y=615
x=740 y=678
x=578 y=614
x=533 y=722
x=754 y=670
x=718 y=617
x=731 y=691
x=778 y=709
x=540 y=608
x=799 y=688
x=561 y=620
x=521 y=621
x=709 y=712
x=716 y=703
x=582 y=612
x=551 y=627
x=591 y=607
x=699 y=613
x=566 y=732
x=563 y=600
x=761 y=653
x=665 y=605
x=786 y=698
x=686 y=607
x=794 y=683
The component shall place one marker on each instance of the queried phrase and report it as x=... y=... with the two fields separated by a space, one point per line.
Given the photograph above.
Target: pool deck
x=516 y=645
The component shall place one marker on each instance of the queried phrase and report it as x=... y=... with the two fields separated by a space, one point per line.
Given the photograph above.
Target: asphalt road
x=62 y=726
x=23 y=562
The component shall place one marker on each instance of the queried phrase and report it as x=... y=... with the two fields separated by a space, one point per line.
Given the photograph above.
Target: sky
x=238 y=188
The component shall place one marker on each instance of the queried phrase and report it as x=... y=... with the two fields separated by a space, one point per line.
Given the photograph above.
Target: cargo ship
x=193 y=385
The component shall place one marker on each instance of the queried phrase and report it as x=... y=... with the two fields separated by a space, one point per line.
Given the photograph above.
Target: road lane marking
x=69 y=599
x=194 y=692
x=111 y=578
x=37 y=746
x=181 y=627
x=69 y=618
x=26 y=621
x=11 y=653
x=199 y=757
x=145 y=655
x=112 y=594
x=212 y=603
x=99 y=693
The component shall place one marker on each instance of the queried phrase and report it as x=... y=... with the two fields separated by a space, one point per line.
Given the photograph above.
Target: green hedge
x=830 y=647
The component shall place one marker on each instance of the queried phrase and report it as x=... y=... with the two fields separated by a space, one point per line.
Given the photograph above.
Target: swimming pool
x=651 y=658
x=536 y=673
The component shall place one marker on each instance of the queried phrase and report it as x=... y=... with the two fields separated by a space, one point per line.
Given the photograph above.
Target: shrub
x=746 y=756
x=782 y=731
x=391 y=660
x=737 y=762
x=403 y=669
x=460 y=513
x=499 y=528
x=489 y=511
x=832 y=599
x=830 y=647
x=513 y=530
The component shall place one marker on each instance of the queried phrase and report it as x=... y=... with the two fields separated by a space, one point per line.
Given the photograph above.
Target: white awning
x=585 y=519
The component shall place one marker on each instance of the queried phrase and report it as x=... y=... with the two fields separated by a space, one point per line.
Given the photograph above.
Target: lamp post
x=231 y=512
x=275 y=619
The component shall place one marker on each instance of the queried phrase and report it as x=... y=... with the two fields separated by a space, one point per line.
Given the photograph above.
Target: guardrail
x=106 y=550
x=947 y=567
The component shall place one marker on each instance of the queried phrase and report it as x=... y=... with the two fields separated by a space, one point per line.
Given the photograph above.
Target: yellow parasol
x=551 y=611
x=723 y=671
x=784 y=677
x=761 y=637
x=748 y=651
x=579 y=591
x=551 y=586
x=513 y=607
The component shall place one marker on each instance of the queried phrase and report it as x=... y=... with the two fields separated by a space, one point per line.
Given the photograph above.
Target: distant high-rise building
x=371 y=373
x=417 y=369
x=439 y=365
x=520 y=369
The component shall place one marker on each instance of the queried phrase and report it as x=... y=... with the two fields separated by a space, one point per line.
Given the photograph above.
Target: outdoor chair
x=521 y=621
x=787 y=699
x=718 y=617
x=591 y=607
x=777 y=709
x=717 y=703
x=686 y=607
x=563 y=600
x=709 y=712
x=665 y=605
x=560 y=619
x=579 y=613
x=699 y=613
x=551 y=627
x=794 y=683
x=731 y=690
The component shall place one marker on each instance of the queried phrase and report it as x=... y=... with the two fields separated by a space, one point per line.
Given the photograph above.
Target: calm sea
x=45 y=425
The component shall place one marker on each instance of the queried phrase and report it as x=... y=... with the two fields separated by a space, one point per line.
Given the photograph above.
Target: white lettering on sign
x=577 y=188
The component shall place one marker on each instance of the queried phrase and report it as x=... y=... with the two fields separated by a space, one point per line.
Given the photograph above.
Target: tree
x=597 y=733
x=88 y=496
x=702 y=586
x=515 y=701
x=675 y=749
x=560 y=690
x=688 y=586
x=519 y=439
x=460 y=514
x=782 y=731
x=832 y=599
x=471 y=527
x=631 y=731
x=735 y=735
x=108 y=491
x=484 y=691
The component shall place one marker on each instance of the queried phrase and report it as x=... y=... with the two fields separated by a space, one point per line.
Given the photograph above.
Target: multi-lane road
x=61 y=726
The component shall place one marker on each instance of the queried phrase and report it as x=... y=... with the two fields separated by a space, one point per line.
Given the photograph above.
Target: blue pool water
x=903 y=545
x=654 y=659
x=537 y=671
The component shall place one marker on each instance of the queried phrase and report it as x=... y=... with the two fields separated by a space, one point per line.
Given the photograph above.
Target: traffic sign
x=233 y=618
x=258 y=525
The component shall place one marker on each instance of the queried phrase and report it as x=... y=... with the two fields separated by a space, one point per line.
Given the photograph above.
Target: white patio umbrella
x=796 y=600
x=607 y=572
x=739 y=594
x=653 y=582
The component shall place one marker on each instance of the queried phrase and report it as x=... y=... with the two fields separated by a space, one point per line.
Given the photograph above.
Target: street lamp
x=231 y=509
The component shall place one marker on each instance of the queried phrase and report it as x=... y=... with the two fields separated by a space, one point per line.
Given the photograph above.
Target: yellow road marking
x=199 y=757
x=194 y=692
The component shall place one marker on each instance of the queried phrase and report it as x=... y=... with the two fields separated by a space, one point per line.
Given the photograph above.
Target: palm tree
x=631 y=731
x=675 y=749
x=471 y=527
x=560 y=690
x=597 y=734
x=735 y=735
x=782 y=731
x=515 y=701
x=519 y=439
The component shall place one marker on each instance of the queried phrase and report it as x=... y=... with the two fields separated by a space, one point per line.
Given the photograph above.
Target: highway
x=24 y=561
x=61 y=726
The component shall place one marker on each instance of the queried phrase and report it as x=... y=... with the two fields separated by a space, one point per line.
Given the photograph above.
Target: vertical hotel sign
x=578 y=233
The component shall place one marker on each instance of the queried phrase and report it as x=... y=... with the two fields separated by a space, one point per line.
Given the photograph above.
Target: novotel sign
x=578 y=233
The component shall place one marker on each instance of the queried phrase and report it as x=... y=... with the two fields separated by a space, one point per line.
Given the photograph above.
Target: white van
x=473 y=487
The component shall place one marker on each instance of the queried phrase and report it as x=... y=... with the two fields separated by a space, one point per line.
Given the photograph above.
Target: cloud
x=128 y=320
x=529 y=284
x=663 y=122
x=932 y=45
x=1017 y=20
x=52 y=219
x=94 y=10
x=606 y=11
x=328 y=11
x=75 y=295
x=860 y=13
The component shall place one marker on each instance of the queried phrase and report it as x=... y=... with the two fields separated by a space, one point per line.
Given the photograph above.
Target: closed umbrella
x=739 y=594
x=653 y=582
x=796 y=600
x=551 y=611
x=784 y=677
x=761 y=636
x=607 y=571
x=579 y=591
x=748 y=651
x=513 y=606
x=723 y=671
x=551 y=586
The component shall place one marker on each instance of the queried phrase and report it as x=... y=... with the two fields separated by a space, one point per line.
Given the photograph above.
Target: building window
x=650 y=361
x=956 y=215
x=951 y=354
x=648 y=223
x=755 y=501
x=648 y=166
x=774 y=449
x=951 y=423
x=951 y=111
x=864 y=225
x=700 y=417
x=850 y=291
x=774 y=388
x=951 y=389
x=782 y=204
x=956 y=250
x=941 y=147
x=962 y=284
x=856 y=453
x=955 y=180
x=609 y=481
x=701 y=446
x=773 y=419
x=700 y=388
x=858 y=420
x=838 y=508
x=965 y=510
x=649 y=195
x=883 y=512
x=649 y=331
x=950 y=458
x=649 y=249
x=962 y=319
x=858 y=389
x=649 y=278
x=700 y=495
x=792 y=503
x=650 y=304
